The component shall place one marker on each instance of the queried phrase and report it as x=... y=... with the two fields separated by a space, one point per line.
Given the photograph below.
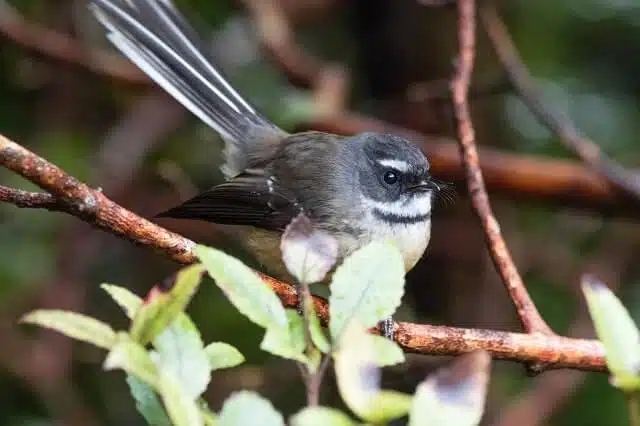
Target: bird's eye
x=390 y=177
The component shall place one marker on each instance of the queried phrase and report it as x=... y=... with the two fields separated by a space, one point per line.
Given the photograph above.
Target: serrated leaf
x=617 y=332
x=308 y=253
x=76 y=326
x=244 y=288
x=316 y=331
x=181 y=352
x=358 y=378
x=124 y=298
x=181 y=407
x=287 y=342
x=454 y=395
x=131 y=357
x=245 y=408
x=222 y=355
x=387 y=352
x=161 y=308
x=321 y=416
x=147 y=402
x=367 y=287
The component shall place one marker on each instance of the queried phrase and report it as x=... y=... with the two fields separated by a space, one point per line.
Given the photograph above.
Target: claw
x=386 y=328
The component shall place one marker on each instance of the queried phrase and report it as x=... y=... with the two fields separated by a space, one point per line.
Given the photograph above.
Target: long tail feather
x=153 y=35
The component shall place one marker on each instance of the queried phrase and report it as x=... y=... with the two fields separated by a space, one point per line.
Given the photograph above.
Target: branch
x=527 y=311
x=52 y=44
x=91 y=205
x=31 y=200
x=95 y=208
x=521 y=80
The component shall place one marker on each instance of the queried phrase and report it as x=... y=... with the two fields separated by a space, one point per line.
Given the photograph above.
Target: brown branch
x=52 y=44
x=527 y=311
x=95 y=208
x=91 y=205
x=26 y=199
x=569 y=135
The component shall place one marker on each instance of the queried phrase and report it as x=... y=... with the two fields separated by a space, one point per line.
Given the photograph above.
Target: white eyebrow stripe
x=400 y=165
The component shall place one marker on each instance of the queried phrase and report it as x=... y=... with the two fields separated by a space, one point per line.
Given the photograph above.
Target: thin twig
x=527 y=311
x=31 y=200
x=93 y=207
x=569 y=135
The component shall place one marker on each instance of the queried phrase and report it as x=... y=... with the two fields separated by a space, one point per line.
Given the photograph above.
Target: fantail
x=356 y=188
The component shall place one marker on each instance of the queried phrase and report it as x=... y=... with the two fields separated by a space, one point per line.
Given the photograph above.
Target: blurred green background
x=148 y=154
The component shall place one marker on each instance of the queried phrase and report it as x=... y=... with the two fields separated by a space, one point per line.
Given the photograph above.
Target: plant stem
x=633 y=400
x=312 y=380
x=305 y=293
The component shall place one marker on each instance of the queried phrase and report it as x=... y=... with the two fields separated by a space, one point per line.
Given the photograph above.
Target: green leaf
x=147 y=402
x=316 y=331
x=287 y=342
x=209 y=418
x=617 y=331
x=358 y=378
x=367 y=287
x=454 y=395
x=244 y=288
x=76 y=326
x=161 y=308
x=181 y=407
x=387 y=352
x=308 y=253
x=222 y=355
x=124 y=298
x=131 y=357
x=387 y=405
x=246 y=408
x=181 y=352
x=321 y=416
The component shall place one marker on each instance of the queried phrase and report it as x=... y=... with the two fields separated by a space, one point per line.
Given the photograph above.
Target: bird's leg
x=386 y=328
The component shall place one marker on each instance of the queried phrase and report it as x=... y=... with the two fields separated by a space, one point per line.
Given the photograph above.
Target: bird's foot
x=386 y=328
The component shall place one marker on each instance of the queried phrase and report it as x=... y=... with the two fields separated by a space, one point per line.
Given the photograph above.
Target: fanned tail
x=153 y=35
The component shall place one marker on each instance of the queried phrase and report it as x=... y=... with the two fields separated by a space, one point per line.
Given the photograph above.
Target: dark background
x=148 y=154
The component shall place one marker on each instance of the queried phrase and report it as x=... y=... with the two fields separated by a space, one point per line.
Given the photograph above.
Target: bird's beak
x=426 y=185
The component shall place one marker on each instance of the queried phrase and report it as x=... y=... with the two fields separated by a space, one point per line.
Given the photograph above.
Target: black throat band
x=396 y=218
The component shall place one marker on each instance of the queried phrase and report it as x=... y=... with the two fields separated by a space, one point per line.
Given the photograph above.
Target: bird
x=358 y=189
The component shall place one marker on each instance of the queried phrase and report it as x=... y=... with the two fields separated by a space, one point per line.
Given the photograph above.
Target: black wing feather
x=245 y=200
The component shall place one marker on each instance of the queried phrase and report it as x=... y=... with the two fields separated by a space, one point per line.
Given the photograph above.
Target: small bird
x=360 y=188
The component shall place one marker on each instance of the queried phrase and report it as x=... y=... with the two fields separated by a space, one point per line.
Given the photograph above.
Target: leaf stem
x=312 y=379
x=633 y=400
x=304 y=294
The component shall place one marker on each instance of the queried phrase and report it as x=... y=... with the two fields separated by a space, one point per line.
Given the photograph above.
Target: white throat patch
x=406 y=222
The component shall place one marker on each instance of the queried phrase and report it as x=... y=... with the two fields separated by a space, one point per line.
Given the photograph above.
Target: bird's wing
x=248 y=199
